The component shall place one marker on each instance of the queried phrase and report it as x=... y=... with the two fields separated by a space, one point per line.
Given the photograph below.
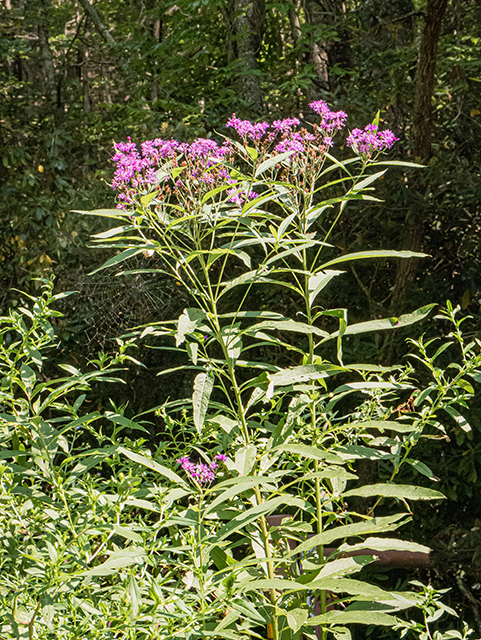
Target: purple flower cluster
x=370 y=140
x=200 y=472
x=330 y=120
x=248 y=129
x=136 y=170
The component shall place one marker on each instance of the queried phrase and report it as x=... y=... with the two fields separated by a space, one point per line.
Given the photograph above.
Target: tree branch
x=97 y=22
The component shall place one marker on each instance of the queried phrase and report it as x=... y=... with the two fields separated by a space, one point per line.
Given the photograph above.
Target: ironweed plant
x=234 y=218
x=253 y=531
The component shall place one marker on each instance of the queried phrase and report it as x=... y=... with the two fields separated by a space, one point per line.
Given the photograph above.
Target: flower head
x=370 y=140
x=247 y=129
x=200 y=472
x=330 y=120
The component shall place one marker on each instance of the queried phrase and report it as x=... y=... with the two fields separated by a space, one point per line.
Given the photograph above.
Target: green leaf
x=296 y=250
x=243 y=483
x=250 y=277
x=296 y=618
x=391 y=490
x=28 y=377
x=350 y=586
x=147 y=199
x=111 y=232
x=122 y=559
x=318 y=281
x=312 y=453
x=341 y=633
x=271 y=583
x=376 y=525
x=461 y=420
x=366 y=387
x=421 y=468
x=354 y=617
x=135 y=597
x=120 y=257
x=127 y=533
x=367 y=181
x=344 y=566
x=361 y=255
x=286 y=325
x=248 y=611
x=104 y=213
x=360 y=452
x=252 y=153
x=267 y=164
x=389 y=323
x=385 y=544
x=384 y=424
x=152 y=464
x=304 y=373
x=203 y=385
x=245 y=458
x=188 y=323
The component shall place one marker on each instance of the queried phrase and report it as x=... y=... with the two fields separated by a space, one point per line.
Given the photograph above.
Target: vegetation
x=76 y=76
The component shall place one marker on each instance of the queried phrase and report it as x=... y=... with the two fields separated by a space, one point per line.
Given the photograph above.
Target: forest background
x=75 y=76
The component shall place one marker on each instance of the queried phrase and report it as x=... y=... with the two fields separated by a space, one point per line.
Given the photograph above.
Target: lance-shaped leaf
x=355 y=587
x=376 y=525
x=120 y=257
x=286 y=325
x=271 y=583
x=379 y=253
x=232 y=340
x=369 y=180
x=266 y=382
x=460 y=419
x=354 y=617
x=112 y=232
x=268 y=164
x=188 y=323
x=345 y=566
x=318 y=281
x=384 y=424
x=203 y=385
x=361 y=452
x=389 y=323
x=385 y=544
x=304 y=373
x=104 y=213
x=312 y=453
x=117 y=561
x=152 y=464
x=250 y=277
x=391 y=490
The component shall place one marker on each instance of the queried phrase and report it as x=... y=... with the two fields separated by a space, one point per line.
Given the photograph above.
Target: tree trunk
x=245 y=21
x=426 y=76
x=48 y=69
x=316 y=17
x=325 y=52
x=422 y=132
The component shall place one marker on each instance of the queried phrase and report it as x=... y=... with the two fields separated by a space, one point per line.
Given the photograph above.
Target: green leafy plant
x=225 y=222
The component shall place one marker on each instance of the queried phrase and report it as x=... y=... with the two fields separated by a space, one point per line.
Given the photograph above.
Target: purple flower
x=248 y=129
x=285 y=125
x=330 y=120
x=370 y=140
x=200 y=472
x=290 y=144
